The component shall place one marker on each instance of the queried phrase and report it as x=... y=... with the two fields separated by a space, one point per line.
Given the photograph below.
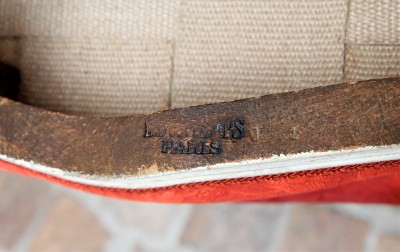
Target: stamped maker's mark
x=196 y=140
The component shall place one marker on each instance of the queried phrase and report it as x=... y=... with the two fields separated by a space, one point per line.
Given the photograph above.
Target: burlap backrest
x=97 y=57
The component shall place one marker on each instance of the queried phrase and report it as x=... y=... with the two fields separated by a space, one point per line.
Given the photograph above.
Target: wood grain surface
x=336 y=117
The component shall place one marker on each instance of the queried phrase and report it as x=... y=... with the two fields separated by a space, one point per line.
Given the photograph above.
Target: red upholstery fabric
x=382 y=189
x=364 y=183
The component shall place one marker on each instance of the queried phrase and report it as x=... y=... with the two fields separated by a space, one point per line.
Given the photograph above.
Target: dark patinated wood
x=335 y=117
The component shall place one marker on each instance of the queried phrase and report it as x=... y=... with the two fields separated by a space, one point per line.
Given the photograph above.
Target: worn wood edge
x=249 y=168
x=150 y=174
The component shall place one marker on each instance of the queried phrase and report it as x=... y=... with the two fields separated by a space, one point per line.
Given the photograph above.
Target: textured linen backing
x=372 y=39
x=91 y=18
x=10 y=51
x=101 y=77
x=372 y=61
x=228 y=50
x=374 y=22
x=118 y=57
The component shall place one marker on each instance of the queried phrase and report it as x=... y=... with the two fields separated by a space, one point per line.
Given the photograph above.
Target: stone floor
x=38 y=216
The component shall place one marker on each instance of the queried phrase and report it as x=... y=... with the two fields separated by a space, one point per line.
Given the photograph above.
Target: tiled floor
x=38 y=216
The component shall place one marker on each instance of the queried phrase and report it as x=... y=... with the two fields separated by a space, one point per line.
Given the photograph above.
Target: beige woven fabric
x=228 y=50
x=93 y=57
x=372 y=61
x=374 y=22
x=92 y=76
x=118 y=57
x=10 y=51
x=372 y=39
x=93 y=18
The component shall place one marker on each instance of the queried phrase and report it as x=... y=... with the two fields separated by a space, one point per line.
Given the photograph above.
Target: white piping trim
x=273 y=165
